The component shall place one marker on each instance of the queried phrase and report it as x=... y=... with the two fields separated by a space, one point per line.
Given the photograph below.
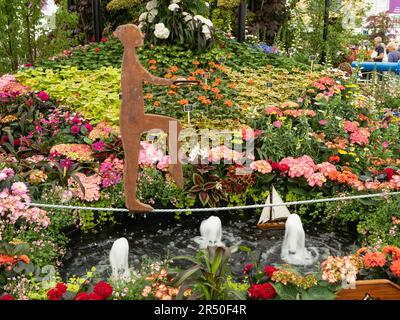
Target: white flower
x=207 y=4
x=161 y=31
x=204 y=20
x=151 y=5
x=152 y=15
x=206 y=30
x=187 y=16
x=173 y=7
x=143 y=16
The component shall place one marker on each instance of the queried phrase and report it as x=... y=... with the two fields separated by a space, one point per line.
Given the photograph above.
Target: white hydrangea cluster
x=161 y=31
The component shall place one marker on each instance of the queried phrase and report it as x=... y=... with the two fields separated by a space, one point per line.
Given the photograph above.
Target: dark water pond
x=158 y=236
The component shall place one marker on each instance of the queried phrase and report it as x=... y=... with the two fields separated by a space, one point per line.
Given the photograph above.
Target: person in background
x=379 y=51
x=393 y=54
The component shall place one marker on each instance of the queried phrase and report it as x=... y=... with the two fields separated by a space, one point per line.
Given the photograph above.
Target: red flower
x=275 y=166
x=334 y=159
x=75 y=129
x=82 y=296
x=389 y=173
x=89 y=127
x=247 y=268
x=61 y=287
x=7 y=297
x=17 y=142
x=29 y=102
x=263 y=291
x=76 y=120
x=54 y=294
x=283 y=167
x=97 y=49
x=103 y=289
x=269 y=270
x=104 y=39
x=43 y=96
x=94 y=296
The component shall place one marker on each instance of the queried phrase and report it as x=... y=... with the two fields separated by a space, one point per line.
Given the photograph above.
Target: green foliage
x=208 y=275
x=152 y=187
x=94 y=93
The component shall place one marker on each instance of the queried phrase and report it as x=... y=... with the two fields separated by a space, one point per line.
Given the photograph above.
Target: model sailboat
x=273 y=217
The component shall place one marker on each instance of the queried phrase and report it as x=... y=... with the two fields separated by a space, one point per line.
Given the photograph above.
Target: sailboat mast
x=271 y=201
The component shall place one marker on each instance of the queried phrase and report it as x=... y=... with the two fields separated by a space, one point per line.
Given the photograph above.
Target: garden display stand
x=133 y=121
x=371 y=290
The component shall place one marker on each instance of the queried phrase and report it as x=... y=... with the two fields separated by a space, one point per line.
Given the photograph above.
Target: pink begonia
x=163 y=164
x=261 y=166
x=316 y=179
x=360 y=136
x=111 y=171
x=149 y=154
x=326 y=167
x=270 y=110
x=350 y=126
x=303 y=166
x=91 y=187
x=6 y=173
x=217 y=154
x=19 y=189
x=336 y=269
x=14 y=206
x=395 y=181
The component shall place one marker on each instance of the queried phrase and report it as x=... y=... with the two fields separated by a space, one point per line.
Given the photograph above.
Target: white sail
x=278 y=212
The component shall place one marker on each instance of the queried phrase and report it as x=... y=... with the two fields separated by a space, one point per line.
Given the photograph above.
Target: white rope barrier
x=255 y=206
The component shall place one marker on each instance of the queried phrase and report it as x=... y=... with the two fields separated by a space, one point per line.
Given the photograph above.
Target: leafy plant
x=208 y=275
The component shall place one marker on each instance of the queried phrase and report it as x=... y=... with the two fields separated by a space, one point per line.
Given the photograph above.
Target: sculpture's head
x=129 y=35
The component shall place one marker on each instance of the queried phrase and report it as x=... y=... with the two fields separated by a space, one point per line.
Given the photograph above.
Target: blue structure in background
x=378 y=66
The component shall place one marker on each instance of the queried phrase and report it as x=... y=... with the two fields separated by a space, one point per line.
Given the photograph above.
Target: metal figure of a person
x=133 y=121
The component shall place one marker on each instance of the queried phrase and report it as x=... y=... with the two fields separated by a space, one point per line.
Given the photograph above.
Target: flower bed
x=316 y=135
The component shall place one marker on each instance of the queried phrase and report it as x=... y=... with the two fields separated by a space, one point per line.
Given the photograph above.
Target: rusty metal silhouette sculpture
x=133 y=120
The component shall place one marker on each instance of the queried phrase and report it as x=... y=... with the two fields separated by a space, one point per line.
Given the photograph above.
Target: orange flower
x=156 y=103
x=24 y=259
x=153 y=68
x=217 y=82
x=334 y=159
x=215 y=90
x=374 y=259
x=168 y=76
x=250 y=81
x=152 y=61
x=6 y=260
x=198 y=72
x=206 y=101
x=393 y=251
x=218 y=96
x=173 y=69
x=183 y=102
x=191 y=79
x=232 y=85
x=206 y=87
x=196 y=63
x=171 y=92
x=148 y=96
x=202 y=98
x=172 y=86
x=361 y=251
x=228 y=103
x=395 y=268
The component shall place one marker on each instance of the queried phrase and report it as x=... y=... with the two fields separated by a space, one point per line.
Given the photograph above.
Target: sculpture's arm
x=147 y=76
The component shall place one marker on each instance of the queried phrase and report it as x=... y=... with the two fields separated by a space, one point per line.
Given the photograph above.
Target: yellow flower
x=341 y=151
x=357 y=159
